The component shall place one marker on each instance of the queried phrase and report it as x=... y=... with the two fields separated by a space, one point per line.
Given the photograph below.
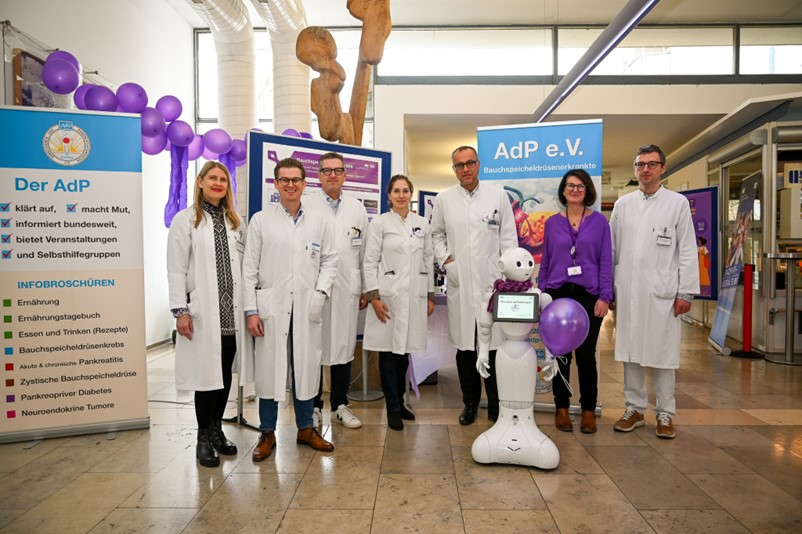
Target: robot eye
x=531 y=263
x=518 y=263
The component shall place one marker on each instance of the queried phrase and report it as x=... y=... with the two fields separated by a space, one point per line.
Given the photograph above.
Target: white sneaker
x=317 y=418
x=347 y=418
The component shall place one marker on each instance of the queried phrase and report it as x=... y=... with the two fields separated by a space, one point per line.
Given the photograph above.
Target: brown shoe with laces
x=309 y=436
x=563 y=421
x=588 y=425
x=264 y=447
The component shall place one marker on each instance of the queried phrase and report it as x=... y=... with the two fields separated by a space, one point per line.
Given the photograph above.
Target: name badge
x=240 y=246
x=664 y=240
x=574 y=270
x=356 y=241
x=314 y=250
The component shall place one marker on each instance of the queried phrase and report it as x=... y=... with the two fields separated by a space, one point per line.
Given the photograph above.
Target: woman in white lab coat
x=204 y=253
x=399 y=279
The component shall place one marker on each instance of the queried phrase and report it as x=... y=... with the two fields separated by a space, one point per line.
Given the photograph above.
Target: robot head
x=516 y=264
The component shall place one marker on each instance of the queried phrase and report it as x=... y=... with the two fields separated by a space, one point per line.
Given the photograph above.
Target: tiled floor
x=736 y=466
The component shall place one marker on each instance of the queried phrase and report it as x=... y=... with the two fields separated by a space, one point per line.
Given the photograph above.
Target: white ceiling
x=428 y=137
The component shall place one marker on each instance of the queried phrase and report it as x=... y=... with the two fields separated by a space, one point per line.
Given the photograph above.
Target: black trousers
x=393 y=375
x=470 y=381
x=211 y=405
x=585 y=354
x=340 y=382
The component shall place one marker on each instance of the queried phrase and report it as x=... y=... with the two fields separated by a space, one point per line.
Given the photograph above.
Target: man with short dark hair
x=472 y=225
x=348 y=220
x=288 y=270
x=656 y=274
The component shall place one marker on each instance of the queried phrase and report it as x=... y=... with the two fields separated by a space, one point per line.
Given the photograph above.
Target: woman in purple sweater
x=577 y=263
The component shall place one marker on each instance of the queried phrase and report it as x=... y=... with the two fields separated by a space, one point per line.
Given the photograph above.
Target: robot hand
x=483 y=363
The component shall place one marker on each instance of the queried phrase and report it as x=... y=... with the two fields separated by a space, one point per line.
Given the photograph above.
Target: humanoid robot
x=515 y=438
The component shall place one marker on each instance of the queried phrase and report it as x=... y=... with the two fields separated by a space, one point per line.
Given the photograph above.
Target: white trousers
x=635 y=394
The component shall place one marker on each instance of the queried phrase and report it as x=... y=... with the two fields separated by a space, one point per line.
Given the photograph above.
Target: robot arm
x=485 y=328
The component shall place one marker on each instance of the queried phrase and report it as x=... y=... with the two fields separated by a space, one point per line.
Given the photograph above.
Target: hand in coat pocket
x=316 y=307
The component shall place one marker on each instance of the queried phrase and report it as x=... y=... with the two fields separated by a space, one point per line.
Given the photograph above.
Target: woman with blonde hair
x=204 y=256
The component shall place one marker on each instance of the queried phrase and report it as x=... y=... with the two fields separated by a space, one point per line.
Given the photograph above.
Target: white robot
x=515 y=438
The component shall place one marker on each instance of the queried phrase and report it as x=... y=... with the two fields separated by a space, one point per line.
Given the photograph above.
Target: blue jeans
x=268 y=408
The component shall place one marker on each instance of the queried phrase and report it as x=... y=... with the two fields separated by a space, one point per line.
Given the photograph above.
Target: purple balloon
x=195 y=148
x=132 y=97
x=170 y=107
x=152 y=122
x=66 y=56
x=79 y=97
x=180 y=133
x=167 y=146
x=60 y=76
x=154 y=145
x=217 y=140
x=208 y=154
x=100 y=98
x=291 y=132
x=563 y=326
x=245 y=137
x=239 y=150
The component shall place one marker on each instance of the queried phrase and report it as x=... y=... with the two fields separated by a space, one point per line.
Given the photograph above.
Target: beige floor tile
x=785 y=437
x=161 y=415
x=366 y=434
x=716 y=417
x=494 y=487
x=16 y=455
x=249 y=502
x=464 y=436
x=508 y=522
x=418 y=449
x=345 y=479
x=298 y=521
x=732 y=436
x=574 y=457
x=761 y=506
x=183 y=483
x=780 y=467
x=7 y=516
x=694 y=455
x=649 y=481
x=590 y=503
x=149 y=452
x=150 y=520
x=80 y=505
x=777 y=417
x=417 y=503
x=693 y=521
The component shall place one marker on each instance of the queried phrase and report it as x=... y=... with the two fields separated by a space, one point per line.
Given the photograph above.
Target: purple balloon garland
x=177 y=195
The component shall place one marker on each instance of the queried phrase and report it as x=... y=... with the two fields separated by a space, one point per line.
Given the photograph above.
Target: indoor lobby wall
x=142 y=41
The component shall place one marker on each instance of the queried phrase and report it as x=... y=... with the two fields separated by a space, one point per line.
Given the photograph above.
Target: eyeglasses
x=338 y=171
x=471 y=163
x=576 y=187
x=286 y=181
x=651 y=164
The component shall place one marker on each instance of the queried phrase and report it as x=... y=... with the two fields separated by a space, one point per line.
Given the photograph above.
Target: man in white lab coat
x=348 y=219
x=288 y=270
x=656 y=274
x=472 y=224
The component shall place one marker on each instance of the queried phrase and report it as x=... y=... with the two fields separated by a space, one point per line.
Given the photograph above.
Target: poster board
x=704 y=211
x=72 y=274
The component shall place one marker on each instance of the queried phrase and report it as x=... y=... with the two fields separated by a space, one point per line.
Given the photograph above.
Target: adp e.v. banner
x=72 y=269
x=528 y=161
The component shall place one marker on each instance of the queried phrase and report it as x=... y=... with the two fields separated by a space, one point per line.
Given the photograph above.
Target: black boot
x=204 y=451
x=219 y=440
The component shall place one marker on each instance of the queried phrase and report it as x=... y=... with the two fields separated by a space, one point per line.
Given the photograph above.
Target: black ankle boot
x=219 y=440
x=204 y=451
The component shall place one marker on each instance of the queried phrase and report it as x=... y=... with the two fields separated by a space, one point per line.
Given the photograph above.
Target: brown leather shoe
x=264 y=447
x=588 y=425
x=563 y=421
x=309 y=436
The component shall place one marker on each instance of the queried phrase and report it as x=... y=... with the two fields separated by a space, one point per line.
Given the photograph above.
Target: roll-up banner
x=72 y=283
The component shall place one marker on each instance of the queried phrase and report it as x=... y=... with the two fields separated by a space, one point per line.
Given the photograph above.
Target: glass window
x=653 y=51
x=771 y=50
x=467 y=52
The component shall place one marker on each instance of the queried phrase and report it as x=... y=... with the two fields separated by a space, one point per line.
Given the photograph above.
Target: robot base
x=516 y=439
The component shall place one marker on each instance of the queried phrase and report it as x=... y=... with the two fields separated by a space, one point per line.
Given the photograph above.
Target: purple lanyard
x=574 y=234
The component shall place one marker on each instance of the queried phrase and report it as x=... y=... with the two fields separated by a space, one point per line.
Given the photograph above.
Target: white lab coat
x=284 y=265
x=462 y=229
x=192 y=282
x=399 y=262
x=348 y=225
x=654 y=259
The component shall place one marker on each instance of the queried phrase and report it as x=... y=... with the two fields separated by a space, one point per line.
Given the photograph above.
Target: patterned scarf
x=225 y=282
x=508 y=286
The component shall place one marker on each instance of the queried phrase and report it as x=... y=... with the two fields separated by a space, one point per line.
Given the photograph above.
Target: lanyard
x=574 y=233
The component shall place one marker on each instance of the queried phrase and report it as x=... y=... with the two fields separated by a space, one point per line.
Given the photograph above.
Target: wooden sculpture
x=316 y=48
